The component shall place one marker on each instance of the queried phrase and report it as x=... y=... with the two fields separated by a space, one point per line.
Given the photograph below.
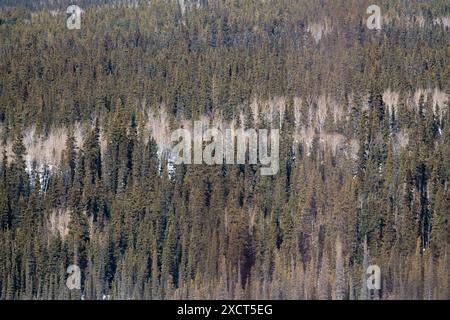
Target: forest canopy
x=86 y=178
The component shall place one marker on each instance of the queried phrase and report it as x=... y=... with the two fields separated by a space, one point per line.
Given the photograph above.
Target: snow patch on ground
x=59 y=220
x=439 y=97
x=44 y=153
x=443 y=21
x=318 y=30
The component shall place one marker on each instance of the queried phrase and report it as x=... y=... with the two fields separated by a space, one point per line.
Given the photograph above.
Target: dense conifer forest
x=86 y=176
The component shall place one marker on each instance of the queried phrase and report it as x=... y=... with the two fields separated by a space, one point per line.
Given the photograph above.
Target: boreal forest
x=86 y=176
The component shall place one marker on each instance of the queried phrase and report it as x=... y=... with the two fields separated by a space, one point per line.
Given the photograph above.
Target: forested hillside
x=85 y=122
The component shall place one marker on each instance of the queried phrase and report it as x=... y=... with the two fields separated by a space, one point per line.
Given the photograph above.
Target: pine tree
x=70 y=155
x=340 y=283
